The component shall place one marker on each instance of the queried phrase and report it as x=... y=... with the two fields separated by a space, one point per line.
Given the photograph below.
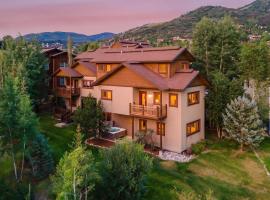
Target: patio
x=107 y=143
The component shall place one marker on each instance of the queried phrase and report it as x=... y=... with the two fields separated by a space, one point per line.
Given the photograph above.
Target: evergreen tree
x=91 y=118
x=242 y=122
x=40 y=156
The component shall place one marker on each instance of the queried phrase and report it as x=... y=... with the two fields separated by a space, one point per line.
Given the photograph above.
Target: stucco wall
x=190 y=114
x=121 y=98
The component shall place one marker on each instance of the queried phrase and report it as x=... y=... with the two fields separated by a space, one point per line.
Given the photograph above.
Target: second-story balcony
x=151 y=112
x=67 y=92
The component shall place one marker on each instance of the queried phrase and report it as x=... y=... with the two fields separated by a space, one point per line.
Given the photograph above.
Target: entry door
x=143 y=98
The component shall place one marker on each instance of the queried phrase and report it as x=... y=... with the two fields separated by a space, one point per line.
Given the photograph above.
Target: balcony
x=150 y=112
x=67 y=92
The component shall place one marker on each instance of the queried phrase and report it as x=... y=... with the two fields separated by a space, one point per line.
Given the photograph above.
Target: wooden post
x=132 y=128
x=161 y=103
x=70 y=86
x=130 y=108
x=161 y=134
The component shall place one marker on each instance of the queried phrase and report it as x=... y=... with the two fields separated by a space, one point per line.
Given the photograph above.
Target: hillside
x=257 y=12
x=62 y=37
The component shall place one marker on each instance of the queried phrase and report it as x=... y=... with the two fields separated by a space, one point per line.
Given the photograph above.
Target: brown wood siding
x=101 y=73
x=154 y=67
x=84 y=71
x=127 y=78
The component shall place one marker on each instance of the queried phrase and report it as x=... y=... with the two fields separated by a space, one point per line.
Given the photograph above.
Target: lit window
x=160 y=128
x=87 y=83
x=142 y=125
x=157 y=98
x=193 y=98
x=108 y=68
x=173 y=100
x=193 y=127
x=106 y=94
x=185 y=66
x=163 y=68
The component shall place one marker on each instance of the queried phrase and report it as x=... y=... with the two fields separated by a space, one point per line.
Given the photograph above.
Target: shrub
x=123 y=172
x=145 y=137
x=198 y=148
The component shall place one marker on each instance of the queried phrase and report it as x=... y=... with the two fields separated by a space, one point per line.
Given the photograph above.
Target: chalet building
x=140 y=88
x=56 y=58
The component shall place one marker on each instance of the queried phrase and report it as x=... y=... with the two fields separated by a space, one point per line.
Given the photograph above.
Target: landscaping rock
x=178 y=157
x=61 y=125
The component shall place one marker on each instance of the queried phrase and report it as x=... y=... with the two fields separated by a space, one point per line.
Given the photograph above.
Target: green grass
x=222 y=169
x=60 y=139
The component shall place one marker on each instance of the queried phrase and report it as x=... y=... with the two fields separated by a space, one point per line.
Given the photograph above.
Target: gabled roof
x=145 y=55
x=68 y=72
x=180 y=81
x=87 y=65
x=62 y=52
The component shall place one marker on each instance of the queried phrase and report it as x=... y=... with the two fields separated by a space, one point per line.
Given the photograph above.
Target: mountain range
x=61 y=37
x=256 y=13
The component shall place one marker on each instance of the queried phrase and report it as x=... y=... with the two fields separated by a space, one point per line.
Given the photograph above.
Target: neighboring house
x=56 y=58
x=148 y=88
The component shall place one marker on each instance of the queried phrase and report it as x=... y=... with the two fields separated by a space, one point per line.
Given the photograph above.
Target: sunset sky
x=93 y=16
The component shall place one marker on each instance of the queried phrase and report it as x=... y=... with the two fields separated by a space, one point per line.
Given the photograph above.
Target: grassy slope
x=229 y=174
x=60 y=139
x=222 y=169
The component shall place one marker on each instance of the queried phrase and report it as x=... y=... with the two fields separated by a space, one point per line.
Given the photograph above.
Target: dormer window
x=163 y=69
x=104 y=67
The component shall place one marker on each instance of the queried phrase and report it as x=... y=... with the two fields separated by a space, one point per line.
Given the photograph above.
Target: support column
x=132 y=128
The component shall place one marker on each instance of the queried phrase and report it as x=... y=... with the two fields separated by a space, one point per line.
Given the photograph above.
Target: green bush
x=123 y=172
x=198 y=148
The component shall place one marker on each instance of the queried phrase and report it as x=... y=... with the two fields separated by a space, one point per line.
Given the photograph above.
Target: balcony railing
x=67 y=92
x=152 y=112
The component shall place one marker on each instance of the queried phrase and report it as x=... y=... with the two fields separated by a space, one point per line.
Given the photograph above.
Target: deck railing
x=154 y=112
x=66 y=92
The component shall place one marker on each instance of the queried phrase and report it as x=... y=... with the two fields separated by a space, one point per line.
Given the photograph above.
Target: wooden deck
x=105 y=144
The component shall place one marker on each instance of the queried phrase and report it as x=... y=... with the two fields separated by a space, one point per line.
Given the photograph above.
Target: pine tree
x=242 y=122
x=40 y=156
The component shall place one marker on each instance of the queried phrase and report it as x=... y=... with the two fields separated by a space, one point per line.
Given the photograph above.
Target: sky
x=93 y=16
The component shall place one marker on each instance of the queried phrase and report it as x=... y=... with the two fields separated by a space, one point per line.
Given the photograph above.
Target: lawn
x=222 y=169
x=60 y=139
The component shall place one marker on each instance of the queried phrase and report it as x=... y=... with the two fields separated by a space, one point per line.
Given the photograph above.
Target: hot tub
x=116 y=132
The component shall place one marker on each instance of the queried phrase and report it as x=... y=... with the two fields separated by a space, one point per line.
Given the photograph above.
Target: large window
x=193 y=127
x=193 y=98
x=142 y=125
x=87 y=83
x=106 y=94
x=157 y=98
x=163 y=68
x=173 y=100
x=160 y=128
